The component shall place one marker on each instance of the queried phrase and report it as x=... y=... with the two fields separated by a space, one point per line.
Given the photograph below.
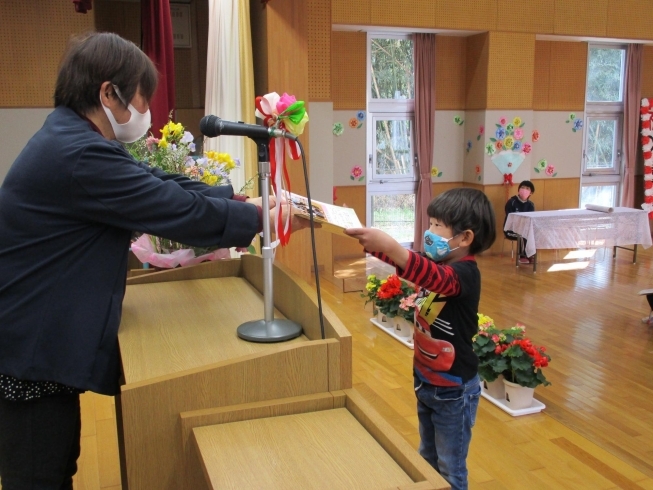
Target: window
x=390 y=139
x=601 y=169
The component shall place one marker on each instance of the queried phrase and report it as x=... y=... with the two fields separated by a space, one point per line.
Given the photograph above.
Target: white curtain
x=223 y=82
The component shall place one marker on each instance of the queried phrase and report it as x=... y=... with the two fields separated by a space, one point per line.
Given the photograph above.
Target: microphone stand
x=269 y=329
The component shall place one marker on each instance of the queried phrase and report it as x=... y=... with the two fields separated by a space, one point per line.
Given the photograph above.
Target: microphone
x=213 y=126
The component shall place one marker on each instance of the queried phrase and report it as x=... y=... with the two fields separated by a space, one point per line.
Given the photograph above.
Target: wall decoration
x=481 y=132
x=535 y=136
x=468 y=146
x=458 y=120
x=576 y=124
x=360 y=115
x=338 y=129
x=435 y=172
x=544 y=167
x=477 y=170
x=356 y=173
x=508 y=152
x=354 y=123
x=646 y=112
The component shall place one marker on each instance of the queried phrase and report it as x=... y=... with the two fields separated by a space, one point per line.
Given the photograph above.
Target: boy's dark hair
x=94 y=58
x=463 y=209
x=527 y=183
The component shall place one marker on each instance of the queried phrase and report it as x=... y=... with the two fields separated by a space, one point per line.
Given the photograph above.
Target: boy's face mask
x=524 y=194
x=437 y=247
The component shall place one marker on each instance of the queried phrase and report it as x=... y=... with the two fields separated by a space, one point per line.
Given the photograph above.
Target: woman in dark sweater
x=520 y=203
x=68 y=207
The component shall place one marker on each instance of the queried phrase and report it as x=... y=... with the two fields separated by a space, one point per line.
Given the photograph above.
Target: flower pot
x=495 y=389
x=383 y=319
x=403 y=328
x=518 y=397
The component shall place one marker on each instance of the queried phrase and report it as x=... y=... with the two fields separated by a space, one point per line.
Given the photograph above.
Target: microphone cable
x=312 y=225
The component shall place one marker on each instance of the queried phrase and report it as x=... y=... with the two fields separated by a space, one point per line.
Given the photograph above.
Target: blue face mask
x=436 y=247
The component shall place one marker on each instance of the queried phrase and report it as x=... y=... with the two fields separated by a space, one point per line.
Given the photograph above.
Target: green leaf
x=493 y=140
x=522 y=125
x=498 y=125
x=351 y=177
x=554 y=174
x=440 y=174
x=537 y=170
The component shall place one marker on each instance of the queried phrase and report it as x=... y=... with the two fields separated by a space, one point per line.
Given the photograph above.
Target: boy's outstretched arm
x=375 y=240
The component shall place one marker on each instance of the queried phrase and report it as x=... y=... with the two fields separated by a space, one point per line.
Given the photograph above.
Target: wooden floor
x=597 y=429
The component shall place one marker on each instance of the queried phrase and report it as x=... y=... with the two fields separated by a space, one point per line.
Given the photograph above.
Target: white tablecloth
x=581 y=228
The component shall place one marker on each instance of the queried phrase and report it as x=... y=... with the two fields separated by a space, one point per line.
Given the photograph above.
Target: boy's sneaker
x=524 y=260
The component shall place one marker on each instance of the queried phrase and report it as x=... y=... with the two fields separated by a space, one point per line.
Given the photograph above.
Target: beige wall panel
x=33 y=38
x=348 y=12
x=629 y=19
x=123 y=18
x=541 y=75
x=533 y=16
x=581 y=17
x=510 y=70
x=352 y=197
x=479 y=15
x=647 y=72
x=476 y=56
x=450 y=72
x=560 y=193
x=348 y=70
x=319 y=50
x=568 y=76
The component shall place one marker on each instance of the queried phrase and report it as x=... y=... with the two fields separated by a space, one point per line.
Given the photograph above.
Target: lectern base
x=276 y=330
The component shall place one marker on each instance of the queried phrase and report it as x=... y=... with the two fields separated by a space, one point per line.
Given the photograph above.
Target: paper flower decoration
x=458 y=120
x=468 y=146
x=535 y=136
x=646 y=113
x=287 y=113
x=481 y=132
x=356 y=173
x=354 y=123
x=338 y=129
x=507 y=152
x=360 y=115
x=435 y=172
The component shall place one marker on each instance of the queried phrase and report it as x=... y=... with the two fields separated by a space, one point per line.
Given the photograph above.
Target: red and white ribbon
x=646 y=113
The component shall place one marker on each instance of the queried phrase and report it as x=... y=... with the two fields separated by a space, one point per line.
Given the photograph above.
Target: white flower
x=187 y=138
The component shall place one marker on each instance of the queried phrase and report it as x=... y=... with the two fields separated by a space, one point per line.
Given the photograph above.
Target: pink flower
x=356 y=172
x=150 y=142
x=481 y=130
x=527 y=148
x=536 y=135
x=519 y=133
x=285 y=101
x=549 y=170
x=478 y=169
x=502 y=121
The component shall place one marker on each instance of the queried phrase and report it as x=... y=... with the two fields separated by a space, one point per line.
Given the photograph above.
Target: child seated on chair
x=520 y=203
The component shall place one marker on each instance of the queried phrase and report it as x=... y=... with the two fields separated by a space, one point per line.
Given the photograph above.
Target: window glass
x=601 y=144
x=392 y=73
x=395 y=214
x=603 y=195
x=392 y=143
x=605 y=74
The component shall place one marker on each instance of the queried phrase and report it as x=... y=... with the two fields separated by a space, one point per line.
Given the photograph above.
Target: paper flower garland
x=577 y=124
x=647 y=152
x=287 y=113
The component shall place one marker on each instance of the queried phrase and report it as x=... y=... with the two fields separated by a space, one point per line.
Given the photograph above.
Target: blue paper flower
x=501 y=133
x=360 y=115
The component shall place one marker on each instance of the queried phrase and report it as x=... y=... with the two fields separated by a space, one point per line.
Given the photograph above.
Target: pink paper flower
x=549 y=170
x=527 y=148
x=502 y=121
x=478 y=169
x=536 y=135
x=519 y=133
x=285 y=101
x=356 y=172
x=481 y=130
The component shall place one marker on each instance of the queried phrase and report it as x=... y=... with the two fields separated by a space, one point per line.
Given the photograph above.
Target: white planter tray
x=407 y=341
x=536 y=406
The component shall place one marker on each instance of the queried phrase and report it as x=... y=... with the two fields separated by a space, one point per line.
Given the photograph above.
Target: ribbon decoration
x=283 y=112
x=507 y=179
x=646 y=113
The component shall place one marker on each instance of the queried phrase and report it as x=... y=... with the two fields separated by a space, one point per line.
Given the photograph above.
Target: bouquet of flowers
x=172 y=154
x=508 y=352
x=507 y=148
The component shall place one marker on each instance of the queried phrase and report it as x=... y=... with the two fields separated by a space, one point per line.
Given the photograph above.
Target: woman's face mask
x=524 y=194
x=437 y=247
x=133 y=129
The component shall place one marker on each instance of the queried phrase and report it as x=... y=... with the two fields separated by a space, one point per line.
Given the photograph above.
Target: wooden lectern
x=201 y=408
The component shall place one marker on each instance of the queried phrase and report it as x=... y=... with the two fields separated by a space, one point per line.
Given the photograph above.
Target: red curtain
x=156 y=28
x=424 y=129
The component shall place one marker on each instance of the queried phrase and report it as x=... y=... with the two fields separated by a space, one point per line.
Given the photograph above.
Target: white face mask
x=133 y=129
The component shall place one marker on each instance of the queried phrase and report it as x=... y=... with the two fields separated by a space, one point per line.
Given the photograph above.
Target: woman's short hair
x=527 y=183
x=463 y=209
x=94 y=58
